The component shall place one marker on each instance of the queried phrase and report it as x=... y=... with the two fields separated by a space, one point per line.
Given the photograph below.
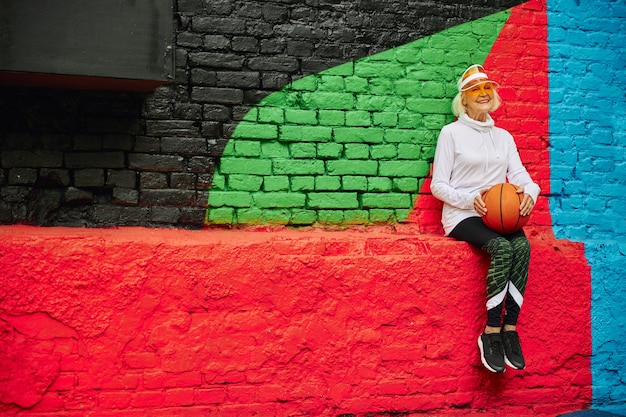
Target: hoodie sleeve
x=443 y=165
x=517 y=173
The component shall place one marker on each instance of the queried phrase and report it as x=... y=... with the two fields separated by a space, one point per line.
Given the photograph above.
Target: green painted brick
x=408 y=55
x=409 y=151
x=328 y=100
x=247 y=148
x=430 y=105
x=432 y=89
x=224 y=215
x=469 y=42
x=385 y=119
x=354 y=183
x=332 y=118
x=276 y=183
x=329 y=150
x=410 y=120
x=302 y=183
x=301 y=117
x=380 y=103
x=303 y=150
x=330 y=216
x=356 y=216
x=249 y=216
x=382 y=215
x=371 y=69
x=357 y=151
x=358 y=135
x=428 y=153
x=305 y=133
x=276 y=216
x=358 y=118
x=342 y=167
x=245 y=166
x=252 y=115
x=356 y=84
x=403 y=168
x=271 y=115
x=404 y=136
x=327 y=183
x=408 y=87
x=406 y=184
x=331 y=83
x=379 y=184
x=230 y=199
x=297 y=167
x=302 y=217
x=219 y=182
x=385 y=200
x=433 y=56
x=402 y=214
x=435 y=121
x=384 y=151
x=239 y=182
x=229 y=149
x=332 y=200
x=304 y=84
x=274 y=150
x=246 y=130
x=381 y=86
x=279 y=200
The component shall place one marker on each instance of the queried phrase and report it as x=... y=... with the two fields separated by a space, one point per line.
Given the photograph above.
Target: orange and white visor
x=473 y=76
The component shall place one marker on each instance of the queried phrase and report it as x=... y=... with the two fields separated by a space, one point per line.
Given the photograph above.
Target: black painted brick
x=36 y=158
x=167 y=197
x=217 y=95
x=157 y=163
x=90 y=177
x=94 y=159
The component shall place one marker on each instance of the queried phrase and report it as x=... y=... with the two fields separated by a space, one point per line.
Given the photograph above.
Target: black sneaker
x=491 y=353
x=513 y=350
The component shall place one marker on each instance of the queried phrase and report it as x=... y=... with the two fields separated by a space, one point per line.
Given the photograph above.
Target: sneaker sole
x=482 y=358
x=506 y=360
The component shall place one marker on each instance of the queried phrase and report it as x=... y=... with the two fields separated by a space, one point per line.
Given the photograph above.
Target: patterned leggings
x=508 y=269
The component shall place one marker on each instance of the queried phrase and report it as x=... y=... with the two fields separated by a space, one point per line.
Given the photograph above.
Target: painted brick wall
x=105 y=158
x=377 y=322
x=587 y=103
x=105 y=322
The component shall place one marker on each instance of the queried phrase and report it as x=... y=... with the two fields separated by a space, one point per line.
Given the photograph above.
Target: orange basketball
x=503 y=214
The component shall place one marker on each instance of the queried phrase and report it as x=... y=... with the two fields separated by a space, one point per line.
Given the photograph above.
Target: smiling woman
x=471 y=156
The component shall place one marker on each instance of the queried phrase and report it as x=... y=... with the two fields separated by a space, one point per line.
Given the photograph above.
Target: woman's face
x=478 y=101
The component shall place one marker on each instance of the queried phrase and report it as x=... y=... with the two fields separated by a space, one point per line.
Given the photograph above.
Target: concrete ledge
x=137 y=321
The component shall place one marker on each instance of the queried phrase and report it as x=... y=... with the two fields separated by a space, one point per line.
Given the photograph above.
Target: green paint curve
x=349 y=145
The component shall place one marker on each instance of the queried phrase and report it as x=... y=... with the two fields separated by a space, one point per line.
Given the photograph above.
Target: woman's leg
x=518 y=278
x=474 y=231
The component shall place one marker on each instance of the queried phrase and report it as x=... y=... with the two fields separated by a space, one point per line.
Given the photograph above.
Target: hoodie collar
x=475 y=124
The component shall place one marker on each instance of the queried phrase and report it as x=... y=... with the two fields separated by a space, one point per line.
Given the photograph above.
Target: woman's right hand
x=479 y=205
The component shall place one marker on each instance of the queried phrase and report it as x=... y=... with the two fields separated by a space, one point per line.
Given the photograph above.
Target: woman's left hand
x=527 y=202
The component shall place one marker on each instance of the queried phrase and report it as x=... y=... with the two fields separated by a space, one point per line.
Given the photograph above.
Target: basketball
x=503 y=216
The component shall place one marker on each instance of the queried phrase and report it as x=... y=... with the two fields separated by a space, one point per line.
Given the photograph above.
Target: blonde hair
x=458 y=108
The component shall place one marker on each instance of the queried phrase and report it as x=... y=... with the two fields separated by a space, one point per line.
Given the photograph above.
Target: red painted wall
x=168 y=322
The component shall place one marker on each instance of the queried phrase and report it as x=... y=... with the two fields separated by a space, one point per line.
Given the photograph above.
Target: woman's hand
x=479 y=205
x=527 y=203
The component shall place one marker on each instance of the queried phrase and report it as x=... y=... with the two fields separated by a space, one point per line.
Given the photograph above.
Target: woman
x=471 y=156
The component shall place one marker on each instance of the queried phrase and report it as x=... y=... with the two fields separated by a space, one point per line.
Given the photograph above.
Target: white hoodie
x=472 y=156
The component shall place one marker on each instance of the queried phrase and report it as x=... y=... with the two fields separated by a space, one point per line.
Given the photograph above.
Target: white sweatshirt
x=470 y=157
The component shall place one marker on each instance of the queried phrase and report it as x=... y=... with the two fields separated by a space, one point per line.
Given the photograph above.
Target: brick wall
x=377 y=322
x=589 y=167
x=112 y=158
x=86 y=158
